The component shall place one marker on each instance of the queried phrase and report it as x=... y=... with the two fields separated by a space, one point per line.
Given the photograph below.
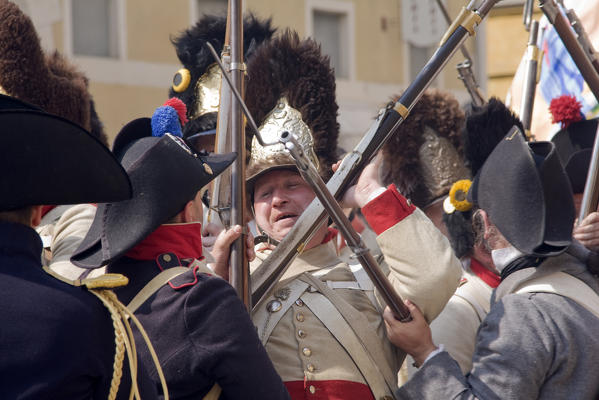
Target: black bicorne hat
x=525 y=191
x=48 y=160
x=574 y=146
x=165 y=174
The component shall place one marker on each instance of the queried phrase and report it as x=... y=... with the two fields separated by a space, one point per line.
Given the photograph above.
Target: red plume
x=566 y=110
x=180 y=107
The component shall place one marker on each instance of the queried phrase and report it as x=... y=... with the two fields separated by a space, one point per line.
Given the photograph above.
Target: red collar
x=185 y=240
x=489 y=277
x=47 y=209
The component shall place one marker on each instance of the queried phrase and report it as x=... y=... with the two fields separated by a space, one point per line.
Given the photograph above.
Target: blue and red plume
x=169 y=118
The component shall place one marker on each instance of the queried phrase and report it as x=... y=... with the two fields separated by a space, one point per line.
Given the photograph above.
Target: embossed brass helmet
x=291 y=86
x=197 y=83
x=424 y=156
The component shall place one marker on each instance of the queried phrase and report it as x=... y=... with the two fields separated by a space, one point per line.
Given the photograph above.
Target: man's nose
x=279 y=197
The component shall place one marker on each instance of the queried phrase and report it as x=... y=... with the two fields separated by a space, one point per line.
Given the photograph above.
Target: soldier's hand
x=222 y=249
x=587 y=232
x=413 y=337
x=210 y=232
x=368 y=183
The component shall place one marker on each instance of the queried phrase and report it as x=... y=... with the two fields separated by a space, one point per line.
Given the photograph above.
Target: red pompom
x=180 y=107
x=565 y=109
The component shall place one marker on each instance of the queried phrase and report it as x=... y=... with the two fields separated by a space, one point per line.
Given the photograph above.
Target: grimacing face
x=280 y=197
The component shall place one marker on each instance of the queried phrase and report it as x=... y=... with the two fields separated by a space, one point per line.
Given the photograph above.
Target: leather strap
x=152 y=287
x=565 y=285
x=265 y=320
x=361 y=343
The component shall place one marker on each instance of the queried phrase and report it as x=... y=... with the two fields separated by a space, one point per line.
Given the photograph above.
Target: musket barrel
x=530 y=79
x=239 y=262
x=582 y=61
x=380 y=281
x=590 y=197
x=273 y=267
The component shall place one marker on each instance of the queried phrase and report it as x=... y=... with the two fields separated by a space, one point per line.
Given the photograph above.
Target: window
x=419 y=56
x=94 y=28
x=214 y=7
x=328 y=31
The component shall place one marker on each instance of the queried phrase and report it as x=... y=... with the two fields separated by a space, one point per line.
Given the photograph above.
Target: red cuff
x=387 y=210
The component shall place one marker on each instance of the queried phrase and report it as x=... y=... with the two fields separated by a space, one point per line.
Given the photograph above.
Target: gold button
x=274 y=306
x=299 y=302
x=307 y=352
x=301 y=333
x=311 y=368
x=312 y=389
x=166 y=257
x=300 y=317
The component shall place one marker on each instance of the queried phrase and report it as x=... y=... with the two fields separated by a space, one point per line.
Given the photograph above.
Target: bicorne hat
x=165 y=173
x=574 y=146
x=291 y=87
x=48 y=160
x=526 y=193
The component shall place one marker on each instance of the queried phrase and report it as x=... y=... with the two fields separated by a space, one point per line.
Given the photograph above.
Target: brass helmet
x=291 y=86
x=424 y=157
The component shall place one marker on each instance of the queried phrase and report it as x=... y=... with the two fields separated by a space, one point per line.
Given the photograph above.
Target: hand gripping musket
x=240 y=268
x=273 y=267
x=581 y=59
x=581 y=36
x=464 y=68
x=355 y=243
x=590 y=197
x=533 y=63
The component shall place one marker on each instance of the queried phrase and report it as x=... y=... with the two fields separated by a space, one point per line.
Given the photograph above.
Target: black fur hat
x=424 y=156
x=196 y=58
x=484 y=129
x=287 y=67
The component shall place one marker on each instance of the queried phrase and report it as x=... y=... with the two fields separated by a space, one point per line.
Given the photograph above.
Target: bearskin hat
x=196 y=58
x=424 y=157
x=295 y=70
x=48 y=81
x=484 y=129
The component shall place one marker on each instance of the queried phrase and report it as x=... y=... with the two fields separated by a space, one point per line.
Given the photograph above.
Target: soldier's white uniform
x=322 y=324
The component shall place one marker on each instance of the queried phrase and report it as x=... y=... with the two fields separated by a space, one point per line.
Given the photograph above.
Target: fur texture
x=195 y=56
x=402 y=165
x=296 y=69
x=484 y=129
x=49 y=81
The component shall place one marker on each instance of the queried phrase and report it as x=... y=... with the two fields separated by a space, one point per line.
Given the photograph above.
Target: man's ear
x=189 y=212
x=36 y=216
x=486 y=222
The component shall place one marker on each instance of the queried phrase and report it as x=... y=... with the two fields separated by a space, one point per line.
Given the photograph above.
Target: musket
x=220 y=200
x=240 y=268
x=353 y=239
x=531 y=78
x=590 y=197
x=465 y=73
x=583 y=37
x=387 y=122
x=580 y=57
x=527 y=14
x=311 y=175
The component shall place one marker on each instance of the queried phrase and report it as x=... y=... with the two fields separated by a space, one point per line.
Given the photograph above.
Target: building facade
x=376 y=46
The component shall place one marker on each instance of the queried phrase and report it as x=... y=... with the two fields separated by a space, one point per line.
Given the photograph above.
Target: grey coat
x=531 y=345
